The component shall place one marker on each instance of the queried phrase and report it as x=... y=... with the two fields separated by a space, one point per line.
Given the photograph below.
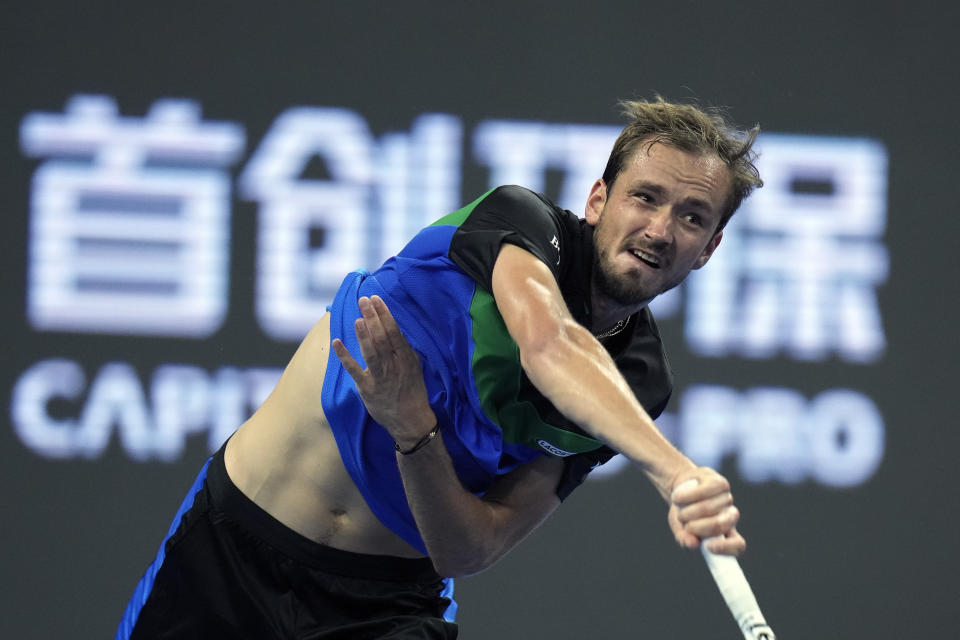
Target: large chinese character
x=369 y=198
x=130 y=219
x=801 y=262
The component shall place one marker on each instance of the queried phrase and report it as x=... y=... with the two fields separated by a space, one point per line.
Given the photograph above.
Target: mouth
x=651 y=260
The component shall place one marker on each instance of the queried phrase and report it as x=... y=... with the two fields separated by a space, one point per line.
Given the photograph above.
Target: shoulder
x=514 y=215
x=528 y=219
x=516 y=193
x=513 y=198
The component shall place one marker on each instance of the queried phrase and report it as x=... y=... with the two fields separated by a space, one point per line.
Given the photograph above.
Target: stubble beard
x=623 y=290
x=620 y=289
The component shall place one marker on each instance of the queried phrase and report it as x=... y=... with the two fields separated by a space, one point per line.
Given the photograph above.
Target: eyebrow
x=658 y=190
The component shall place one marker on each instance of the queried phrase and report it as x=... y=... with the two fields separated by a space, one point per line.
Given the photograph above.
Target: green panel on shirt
x=457 y=217
x=498 y=375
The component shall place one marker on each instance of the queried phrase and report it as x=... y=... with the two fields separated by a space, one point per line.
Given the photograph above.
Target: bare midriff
x=285 y=459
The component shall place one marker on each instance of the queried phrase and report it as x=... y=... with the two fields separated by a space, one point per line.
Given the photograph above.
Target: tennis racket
x=738 y=595
x=735 y=589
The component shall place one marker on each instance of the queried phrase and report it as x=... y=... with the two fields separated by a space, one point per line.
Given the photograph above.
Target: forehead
x=704 y=175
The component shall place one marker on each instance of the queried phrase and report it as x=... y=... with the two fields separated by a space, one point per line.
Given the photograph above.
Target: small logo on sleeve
x=557 y=451
x=556 y=245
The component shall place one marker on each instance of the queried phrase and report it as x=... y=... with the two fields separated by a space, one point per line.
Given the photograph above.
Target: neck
x=605 y=314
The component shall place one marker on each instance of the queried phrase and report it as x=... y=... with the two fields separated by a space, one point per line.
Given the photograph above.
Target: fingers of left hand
x=391 y=331
x=376 y=322
x=372 y=321
x=349 y=363
x=367 y=344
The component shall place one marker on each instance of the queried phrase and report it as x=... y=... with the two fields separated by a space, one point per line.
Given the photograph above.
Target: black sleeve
x=577 y=467
x=509 y=214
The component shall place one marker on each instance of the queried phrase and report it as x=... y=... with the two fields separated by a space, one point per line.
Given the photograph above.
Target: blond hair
x=688 y=128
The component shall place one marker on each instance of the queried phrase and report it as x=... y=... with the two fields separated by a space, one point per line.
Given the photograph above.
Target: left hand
x=392 y=386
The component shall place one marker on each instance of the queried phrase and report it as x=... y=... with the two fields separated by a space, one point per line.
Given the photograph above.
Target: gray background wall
x=871 y=560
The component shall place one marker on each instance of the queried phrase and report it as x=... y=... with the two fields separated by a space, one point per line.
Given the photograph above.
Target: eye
x=694 y=219
x=643 y=196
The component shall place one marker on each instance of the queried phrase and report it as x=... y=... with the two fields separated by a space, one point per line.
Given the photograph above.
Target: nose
x=659 y=225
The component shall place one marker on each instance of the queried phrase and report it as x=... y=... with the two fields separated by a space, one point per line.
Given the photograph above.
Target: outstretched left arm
x=463 y=534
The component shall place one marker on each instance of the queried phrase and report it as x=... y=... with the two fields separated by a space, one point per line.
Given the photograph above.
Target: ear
x=708 y=250
x=595 y=202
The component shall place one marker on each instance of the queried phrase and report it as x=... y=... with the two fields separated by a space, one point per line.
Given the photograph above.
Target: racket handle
x=734 y=588
x=738 y=595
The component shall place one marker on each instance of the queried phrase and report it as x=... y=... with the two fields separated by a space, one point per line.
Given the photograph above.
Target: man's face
x=655 y=223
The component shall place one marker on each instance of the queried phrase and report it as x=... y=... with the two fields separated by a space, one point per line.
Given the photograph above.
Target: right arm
x=574 y=372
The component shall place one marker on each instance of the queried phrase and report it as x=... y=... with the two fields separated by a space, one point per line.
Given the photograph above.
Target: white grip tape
x=738 y=595
x=734 y=588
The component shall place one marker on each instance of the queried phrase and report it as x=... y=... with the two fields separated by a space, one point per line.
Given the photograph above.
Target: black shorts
x=228 y=569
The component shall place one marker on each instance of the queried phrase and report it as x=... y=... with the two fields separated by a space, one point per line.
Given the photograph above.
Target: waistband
x=228 y=499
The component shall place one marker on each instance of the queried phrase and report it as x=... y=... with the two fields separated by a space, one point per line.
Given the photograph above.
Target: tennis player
x=477 y=377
